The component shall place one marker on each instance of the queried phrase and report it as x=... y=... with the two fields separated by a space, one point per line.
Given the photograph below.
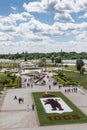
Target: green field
x=54 y=118
x=77 y=77
x=8 y=81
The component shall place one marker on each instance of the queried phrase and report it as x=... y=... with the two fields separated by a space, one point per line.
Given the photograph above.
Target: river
x=71 y=62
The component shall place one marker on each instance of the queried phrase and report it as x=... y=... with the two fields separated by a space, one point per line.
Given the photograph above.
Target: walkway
x=15 y=116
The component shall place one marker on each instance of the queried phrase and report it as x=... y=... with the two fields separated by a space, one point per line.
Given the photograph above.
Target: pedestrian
x=15 y=97
x=33 y=107
x=49 y=86
x=76 y=89
x=32 y=85
x=59 y=86
x=28 y=85
x=65 y=90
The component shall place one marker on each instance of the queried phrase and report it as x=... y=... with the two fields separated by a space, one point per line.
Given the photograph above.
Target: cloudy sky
x=43 y=26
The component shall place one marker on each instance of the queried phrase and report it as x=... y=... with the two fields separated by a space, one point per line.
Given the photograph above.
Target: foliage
x=79 y=64
x=61 y=78
x=65 y=55
x=8 y=81
x=58 y=59
x=8 y=65
x=52 y=58
x=42 y=62
x=82 y=70
x=78 y=78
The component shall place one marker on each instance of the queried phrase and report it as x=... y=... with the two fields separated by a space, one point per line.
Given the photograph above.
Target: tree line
x=54 y=57
x=29 y=56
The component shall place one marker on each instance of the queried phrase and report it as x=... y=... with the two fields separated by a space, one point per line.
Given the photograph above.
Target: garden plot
x=55 y=105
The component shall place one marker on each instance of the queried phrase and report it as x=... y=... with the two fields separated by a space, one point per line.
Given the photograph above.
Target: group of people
x=30 y=85
x=21 y=100
x=73 y=90
x=29 y=82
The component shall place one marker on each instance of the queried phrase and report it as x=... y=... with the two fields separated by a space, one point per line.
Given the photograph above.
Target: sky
x=43 y=26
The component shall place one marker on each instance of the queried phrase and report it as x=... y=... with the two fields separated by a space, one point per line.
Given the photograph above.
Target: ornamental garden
x=54 y=108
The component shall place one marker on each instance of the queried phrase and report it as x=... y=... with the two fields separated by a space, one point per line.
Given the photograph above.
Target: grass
x=77 y=77
x=54 y=117
x=8 y=65
x=70 y=67
x=7 y=81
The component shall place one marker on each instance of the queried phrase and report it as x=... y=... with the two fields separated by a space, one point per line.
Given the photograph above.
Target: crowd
x=71 y=90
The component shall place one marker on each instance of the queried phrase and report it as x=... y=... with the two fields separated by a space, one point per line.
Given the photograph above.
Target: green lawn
x=7 y=81
x=9 y=65
x=54 y=118
x=77 y=77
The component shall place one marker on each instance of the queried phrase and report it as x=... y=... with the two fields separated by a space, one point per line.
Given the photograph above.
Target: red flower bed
x=65 y=117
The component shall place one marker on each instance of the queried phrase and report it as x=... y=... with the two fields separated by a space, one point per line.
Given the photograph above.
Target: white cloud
x=41 y=46
x=29 y=26
x=63 y=17
x=13 y=8
x=83 y=16
x=22 y=32
x=70 y=46
x=82 y=5
x=35 y=7
x=50 y=6
x=34 y=31
x=13 y=18
x=82 y=36
x=58 y=7
x=4 y=37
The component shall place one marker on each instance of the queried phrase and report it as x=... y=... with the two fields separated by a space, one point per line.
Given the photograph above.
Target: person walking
x=49 y=87
x=15 y=97
x=33 y=106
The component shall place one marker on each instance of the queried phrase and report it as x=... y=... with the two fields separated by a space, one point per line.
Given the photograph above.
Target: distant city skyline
x=43 y=26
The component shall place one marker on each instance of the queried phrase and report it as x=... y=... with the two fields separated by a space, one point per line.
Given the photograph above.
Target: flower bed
x=63 y=80
x=48 y=116
x=47 y=94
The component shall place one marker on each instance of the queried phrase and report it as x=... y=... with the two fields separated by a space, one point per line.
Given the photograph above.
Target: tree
x=25 y=56
x=58 y=59
x=82 y=70
x=79 y=64
x=44 y=62
x=52 y=59
x=43 y=59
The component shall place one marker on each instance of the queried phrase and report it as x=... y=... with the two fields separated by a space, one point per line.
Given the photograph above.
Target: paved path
x=58 y=127
x=15 y=116
x=79 y=99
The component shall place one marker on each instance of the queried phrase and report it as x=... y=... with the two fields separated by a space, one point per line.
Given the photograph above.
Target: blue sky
x=43 y=26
